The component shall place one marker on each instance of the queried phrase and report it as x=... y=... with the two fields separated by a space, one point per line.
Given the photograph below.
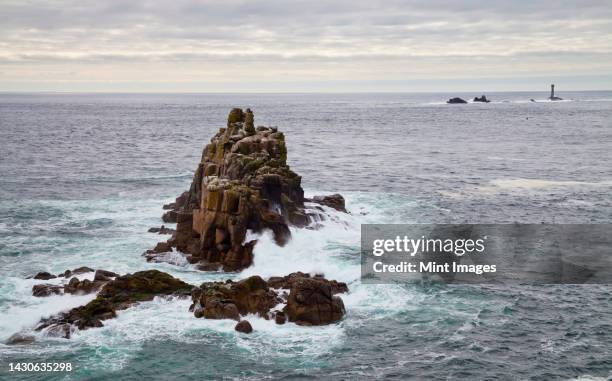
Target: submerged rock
x=20 y=339
x=117 y=294
x=242 y=183
x=482 y=98
x=456 y=100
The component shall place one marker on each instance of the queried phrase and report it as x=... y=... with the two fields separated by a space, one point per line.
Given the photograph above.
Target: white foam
x=534 y=184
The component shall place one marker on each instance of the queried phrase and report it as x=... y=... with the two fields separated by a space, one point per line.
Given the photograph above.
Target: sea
x=83 y=176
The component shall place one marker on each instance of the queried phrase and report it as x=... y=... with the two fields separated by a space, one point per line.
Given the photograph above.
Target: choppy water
x=82 y=177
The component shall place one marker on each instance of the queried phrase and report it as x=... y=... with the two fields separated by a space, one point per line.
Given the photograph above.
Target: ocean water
x=83 y=176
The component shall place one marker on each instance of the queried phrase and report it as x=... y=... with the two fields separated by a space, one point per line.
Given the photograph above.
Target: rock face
x=117 y=294
x=242 y=182
x=482 y=98
x=310 y=301
x=456 y=100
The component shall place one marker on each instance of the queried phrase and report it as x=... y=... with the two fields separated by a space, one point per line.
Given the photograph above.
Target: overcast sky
x=353 y=45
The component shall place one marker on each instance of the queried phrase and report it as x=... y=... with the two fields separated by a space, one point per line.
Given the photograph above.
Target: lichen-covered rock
x=242 y=183
x=117 y=294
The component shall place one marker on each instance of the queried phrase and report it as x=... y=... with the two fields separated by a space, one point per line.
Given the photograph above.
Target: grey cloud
x=381 y=36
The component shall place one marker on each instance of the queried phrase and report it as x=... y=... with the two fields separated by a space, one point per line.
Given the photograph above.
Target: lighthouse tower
x=552 y=94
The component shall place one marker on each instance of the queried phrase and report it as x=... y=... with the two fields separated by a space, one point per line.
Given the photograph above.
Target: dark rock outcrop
x=43 y=275
x=242 y=182
x=77 y=271
x=85 y=286
x=42 y=290
x=117 y=294
x=456 y=100
x=244 y=326
x=162 y=230
x=75 y=286
x=287 y=282
x=334 y=201
x=482 y=98
x=310 y=301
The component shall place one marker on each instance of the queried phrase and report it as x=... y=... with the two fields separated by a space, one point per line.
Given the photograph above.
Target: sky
x=304 y=46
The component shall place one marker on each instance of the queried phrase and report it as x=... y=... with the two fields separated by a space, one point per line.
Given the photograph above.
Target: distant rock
x=456 y=101
x=244 y=326
x=482 y=98
x=162 y=230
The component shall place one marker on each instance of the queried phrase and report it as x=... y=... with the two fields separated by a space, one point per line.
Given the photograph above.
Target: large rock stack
x=242 y=182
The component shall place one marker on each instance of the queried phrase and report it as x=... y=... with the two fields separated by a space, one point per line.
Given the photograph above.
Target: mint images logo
x=485 y=253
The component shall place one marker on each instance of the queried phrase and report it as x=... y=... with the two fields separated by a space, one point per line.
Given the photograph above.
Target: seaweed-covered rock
x=242 y=183
x=117 y=294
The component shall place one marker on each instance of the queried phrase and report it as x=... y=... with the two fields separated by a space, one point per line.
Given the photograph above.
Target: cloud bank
x=187 y=45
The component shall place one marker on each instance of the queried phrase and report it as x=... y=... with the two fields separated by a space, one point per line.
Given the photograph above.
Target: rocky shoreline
x=242 y=183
